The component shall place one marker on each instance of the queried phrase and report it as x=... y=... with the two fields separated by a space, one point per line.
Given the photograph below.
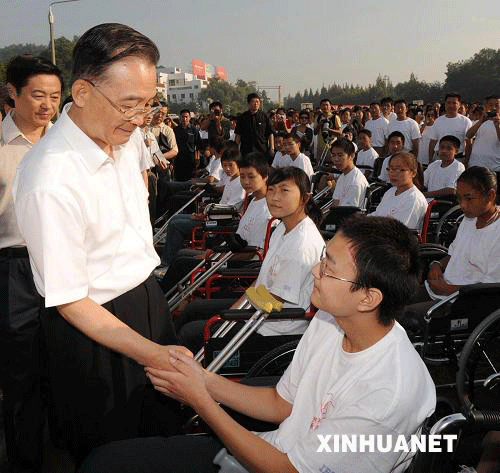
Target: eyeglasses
x=130 y=113
x=323 y=273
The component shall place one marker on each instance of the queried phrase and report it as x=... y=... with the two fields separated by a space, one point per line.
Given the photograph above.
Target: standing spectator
x=326 y=126
x=451 y=123
x=387 y=105
x=189 y=144
x=163 y=133
x=486 y=148
x=35 y=85
x=425 y=132
x=253 y=129
x=218 y=126
x=407 y=126
x=378 y=126
x=304 y=132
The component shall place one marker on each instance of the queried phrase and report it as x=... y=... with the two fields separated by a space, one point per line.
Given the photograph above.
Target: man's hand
x=161 y=360
x=185 y=381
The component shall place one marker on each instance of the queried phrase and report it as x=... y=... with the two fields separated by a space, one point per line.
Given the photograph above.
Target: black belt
x=14 y=252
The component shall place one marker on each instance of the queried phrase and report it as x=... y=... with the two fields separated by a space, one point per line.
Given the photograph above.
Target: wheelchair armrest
x=238 y=272
x=239 y=314
x=480 y=288
x=442 y=302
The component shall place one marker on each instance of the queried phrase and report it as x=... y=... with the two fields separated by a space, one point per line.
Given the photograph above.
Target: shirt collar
x=11 y=131
x=92 y=156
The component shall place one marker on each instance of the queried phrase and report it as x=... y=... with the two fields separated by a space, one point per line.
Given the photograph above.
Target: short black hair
x=251 y=96
x=292 y=136
x=365 y=132
x=374 y=103
x=105 y=44
x=215 y=104
x=21 y=68
x=453 y=95
x=230 y=154
x=184 y=110
x=345 y=145
x=255 y=160
x=451 y=139
x=386 y=100
x=491 y=97
x=385 y=253
x=396 y=133
x=398 y=101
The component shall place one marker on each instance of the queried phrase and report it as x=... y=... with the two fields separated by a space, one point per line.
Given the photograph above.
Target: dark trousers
x=20 y=362
x=179 y=454
x=97 y=395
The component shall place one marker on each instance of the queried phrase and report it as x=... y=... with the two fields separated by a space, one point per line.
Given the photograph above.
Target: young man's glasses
x=129 y=113
x=323 y=273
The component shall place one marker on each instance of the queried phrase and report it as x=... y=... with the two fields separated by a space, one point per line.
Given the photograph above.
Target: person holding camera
x=326 y=126
x=486 y=148
x=219 y=126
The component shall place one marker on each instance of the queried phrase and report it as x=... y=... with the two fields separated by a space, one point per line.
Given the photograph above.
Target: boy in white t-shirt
x=378 y=126
x=294 y=157
x=350 y=375
x=395 y=144
x=405 y=125
x=280 y=155
x=365 y=159
x=440 y=177
x=352 y=184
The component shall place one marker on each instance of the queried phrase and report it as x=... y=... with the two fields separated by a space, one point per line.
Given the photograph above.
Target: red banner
x=220 y=73
x=198 y=68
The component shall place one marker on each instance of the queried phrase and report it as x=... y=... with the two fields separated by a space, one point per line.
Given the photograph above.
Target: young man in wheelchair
x=350 y=375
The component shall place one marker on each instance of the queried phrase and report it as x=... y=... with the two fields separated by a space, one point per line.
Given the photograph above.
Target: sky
x=295 y=44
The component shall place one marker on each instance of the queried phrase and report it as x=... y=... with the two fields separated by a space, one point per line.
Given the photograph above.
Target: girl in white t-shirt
x=295 y=247
x=403 y=201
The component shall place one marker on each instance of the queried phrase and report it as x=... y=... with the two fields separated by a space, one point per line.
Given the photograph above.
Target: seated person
x=294 y=157
x=294 y=248
x=181 y=225
x=348 y=134
x=349 y=375
x=474 y=255
x=403 y=201
x=280 y=157
x=440 y=177
x=352 y=184
x=252 y=227
x=366 y=154
x=395 y=144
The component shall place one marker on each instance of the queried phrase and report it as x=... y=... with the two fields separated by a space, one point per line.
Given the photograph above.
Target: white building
x=178 y=86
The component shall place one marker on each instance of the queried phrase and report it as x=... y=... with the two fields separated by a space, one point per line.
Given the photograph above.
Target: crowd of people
x=85 y=331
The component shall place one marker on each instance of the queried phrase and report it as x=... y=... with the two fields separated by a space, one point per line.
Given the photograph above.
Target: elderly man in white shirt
x=82 y=209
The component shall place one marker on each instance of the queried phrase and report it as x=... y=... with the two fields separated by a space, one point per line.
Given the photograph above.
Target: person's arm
x=237 y=139
x=438 y=192
x=145 y=178
x=471 y=132
x=415 y=143
x=271 y=145
x=432 y=145
x=103 y=327
x=436 y=279
x=193 y=385
x=496 y=123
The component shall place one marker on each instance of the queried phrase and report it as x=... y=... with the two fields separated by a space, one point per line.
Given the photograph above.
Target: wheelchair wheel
x=447 y=227
x=478 y=376
x=275 y=362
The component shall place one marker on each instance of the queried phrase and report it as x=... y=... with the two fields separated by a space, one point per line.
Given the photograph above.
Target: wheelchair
x=436 y=209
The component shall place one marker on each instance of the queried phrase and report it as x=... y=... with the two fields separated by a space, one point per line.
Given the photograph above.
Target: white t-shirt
x=350 y=188
x=286 y=271
x=423 y=147
x=253 y=223
x=233 y=193
x=214 y=169
x=301 y=162
x=475 y=255
x=84 y=216
x=392 y=116
x=486 y=148
x=379 y=129
x=437 y=177
x=457 y=126
x=384 y=173
x=409 y=207
x=366 y=158
x=408 y=127
x=383 y=390
x=280 y=160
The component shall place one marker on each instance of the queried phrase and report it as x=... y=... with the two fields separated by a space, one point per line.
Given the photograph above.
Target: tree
x=475 y=78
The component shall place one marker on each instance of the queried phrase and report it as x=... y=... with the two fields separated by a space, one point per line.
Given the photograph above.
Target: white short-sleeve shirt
x=409 y=207
x=350 y=188
x=366 y=157
x=334 y=392
x=437 y=177
x=379 y=129
x=233 y=193
x=409 y=128
x=456 y=126
x=301 y=162
x=280 y=160
x=84 y=216
x=286 y=271
x=486 y=148
x=253 y=223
